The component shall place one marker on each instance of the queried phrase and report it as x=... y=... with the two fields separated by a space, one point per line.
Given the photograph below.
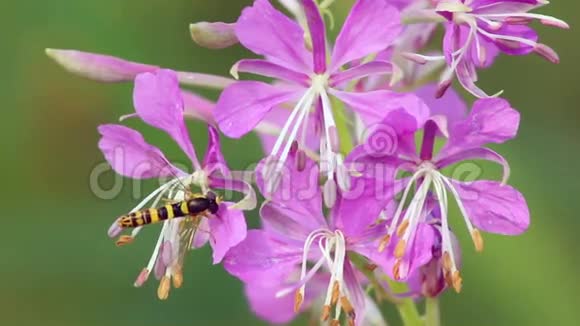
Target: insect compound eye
x=211 y=196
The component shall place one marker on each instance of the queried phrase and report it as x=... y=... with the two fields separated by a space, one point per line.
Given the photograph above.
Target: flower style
x=158 y=102
x=306 y=79
x=299 y=250
x=485 y=205
x=478 y=30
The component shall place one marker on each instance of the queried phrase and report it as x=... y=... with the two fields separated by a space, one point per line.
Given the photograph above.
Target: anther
x=447 y=262
x=177 y=279
x=371 y=267
x=346 y=306
x=335 y=293
x=402 y=228
x=384 y=242
x=124 y=240
x=298 y=299
x=325 y=312
x=163 y=289
x=335 y=322
x=142 y=278
x=457 y=281
x=400 y=248
x=477 y=240
x=397 y=270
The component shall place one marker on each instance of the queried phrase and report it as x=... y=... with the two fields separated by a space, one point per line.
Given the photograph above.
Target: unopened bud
x=547 y=53
x=213 y=35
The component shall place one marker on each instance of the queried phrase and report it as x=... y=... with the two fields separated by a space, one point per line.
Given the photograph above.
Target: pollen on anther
x=384 y=242
x=402 y=228
x=477 y=240
x=325 y=313
x=298 y=299
x=346 y=306
x=457 y=281
x=335 y=322
x=447 y=261
x=164 y=287
x=335 y=292
x=124 y=240
x=400 y=249
x=397 y=270
x=177 y=279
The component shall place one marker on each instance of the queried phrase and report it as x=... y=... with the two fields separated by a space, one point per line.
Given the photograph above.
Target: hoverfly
x=197 y=205
x=182 y=219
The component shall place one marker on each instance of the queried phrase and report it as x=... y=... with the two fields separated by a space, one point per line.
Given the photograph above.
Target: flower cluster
x=365 y=150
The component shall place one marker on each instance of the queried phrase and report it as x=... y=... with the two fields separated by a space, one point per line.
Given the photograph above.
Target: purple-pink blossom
x=158 y=102
x=308 y=80
x=486 y=205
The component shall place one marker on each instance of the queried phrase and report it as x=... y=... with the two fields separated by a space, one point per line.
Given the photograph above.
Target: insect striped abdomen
x=193 y=206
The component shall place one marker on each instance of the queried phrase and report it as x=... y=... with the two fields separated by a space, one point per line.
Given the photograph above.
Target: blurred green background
x=59 y=267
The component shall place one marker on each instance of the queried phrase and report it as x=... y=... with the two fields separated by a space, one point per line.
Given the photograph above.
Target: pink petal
x=197 y=107
x=494 y=208
x=157 y=99
x=202 y=234
x=228 y=228
x=367 y=69
x=317 y=34
x=476 y=154
x=359 y=208
x=289 y=223
x=98 y=67
x=265 y=304
x=371 y=26
x=355 y=291
x=243 y=105
x=131 y=156
x=258 y=257
x=269 y=69
x=374 y=106
x=505 y=6
x=271 y=126
x=297 y=189
x=418 y=253
x=266 y=31
x=450 y=105
x=490 y=121
x=214 y=160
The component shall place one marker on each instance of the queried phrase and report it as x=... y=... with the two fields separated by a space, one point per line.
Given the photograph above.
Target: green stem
x=407 y=309
x=432 y=313
x=346 y=144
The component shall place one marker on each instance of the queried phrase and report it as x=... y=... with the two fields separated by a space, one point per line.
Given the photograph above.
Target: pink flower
x=305 y=78
x=158 y=102
x=485 y=205
x=300 y=251
x=478 y=30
